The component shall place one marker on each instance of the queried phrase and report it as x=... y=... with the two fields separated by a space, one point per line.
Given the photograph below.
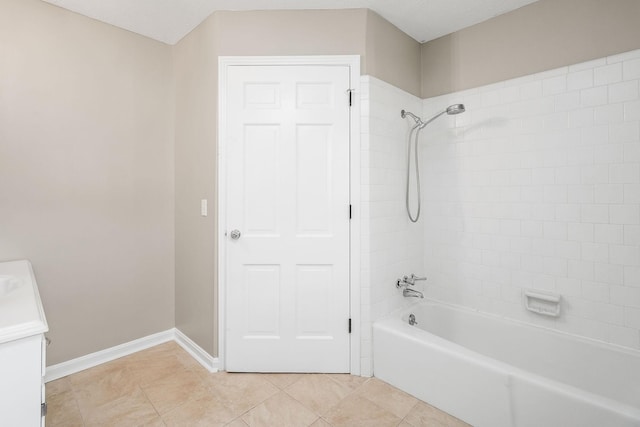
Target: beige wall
x=541 y=36
x=393 y=57
x=196 y=71
x=86 y=173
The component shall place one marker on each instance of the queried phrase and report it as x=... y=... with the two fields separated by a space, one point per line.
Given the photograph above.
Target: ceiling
x=170 y=20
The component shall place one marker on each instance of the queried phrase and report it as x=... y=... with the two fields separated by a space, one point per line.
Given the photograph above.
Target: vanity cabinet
x=22 y=347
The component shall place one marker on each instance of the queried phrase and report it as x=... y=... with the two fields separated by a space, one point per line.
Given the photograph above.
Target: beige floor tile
x=240 y=392
x=320 y=423
x=62 y=410
x=350 y=381
x=157 y=422
x=237 y=423
x=424 y=414
x=280 y=410
x=175 y=389
x=204 y=411
x=318 y=392
x=149 y=366
x=388 y=397
x=130 y=410
x=355 y=410
x=100 y=385
x=283 y=381
x=57 y=386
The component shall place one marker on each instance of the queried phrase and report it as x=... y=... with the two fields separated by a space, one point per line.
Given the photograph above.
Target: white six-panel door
x=288 y=198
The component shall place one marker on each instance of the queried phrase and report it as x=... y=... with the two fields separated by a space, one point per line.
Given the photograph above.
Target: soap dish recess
x=546 y=304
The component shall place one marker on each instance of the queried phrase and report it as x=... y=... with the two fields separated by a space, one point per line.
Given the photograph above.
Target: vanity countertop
x=21 y=312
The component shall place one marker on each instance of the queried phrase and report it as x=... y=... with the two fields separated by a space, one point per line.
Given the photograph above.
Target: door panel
x=288 y=194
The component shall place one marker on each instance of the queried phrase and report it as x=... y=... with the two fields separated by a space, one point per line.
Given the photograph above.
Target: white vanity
x=22 y=347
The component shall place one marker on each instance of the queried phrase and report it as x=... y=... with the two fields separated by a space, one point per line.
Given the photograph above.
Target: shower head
x=451 y=110
x=417 y=119
x=455 y=109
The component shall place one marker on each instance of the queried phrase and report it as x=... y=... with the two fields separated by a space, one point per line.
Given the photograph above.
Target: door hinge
x=349 y=325
x=350 y=92
x=43 y=409
x=349 y=211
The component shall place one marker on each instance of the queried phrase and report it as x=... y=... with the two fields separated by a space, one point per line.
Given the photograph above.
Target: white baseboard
x=205 y=359
x=72 y=366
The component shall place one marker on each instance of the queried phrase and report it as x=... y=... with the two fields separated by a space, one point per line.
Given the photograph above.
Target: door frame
x=353 y=62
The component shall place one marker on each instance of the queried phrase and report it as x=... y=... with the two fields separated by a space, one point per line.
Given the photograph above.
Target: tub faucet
x=408 y=281
x=408 y=292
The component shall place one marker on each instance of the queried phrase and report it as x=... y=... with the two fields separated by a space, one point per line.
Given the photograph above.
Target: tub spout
x=407 y=292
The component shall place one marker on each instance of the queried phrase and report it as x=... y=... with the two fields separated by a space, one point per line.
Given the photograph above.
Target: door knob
x=235 y=234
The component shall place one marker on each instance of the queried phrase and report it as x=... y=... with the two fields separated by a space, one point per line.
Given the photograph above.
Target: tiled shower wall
x=392 y=246
x=537 y=186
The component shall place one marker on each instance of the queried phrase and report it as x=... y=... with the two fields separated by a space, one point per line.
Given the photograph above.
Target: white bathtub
x=493 y=372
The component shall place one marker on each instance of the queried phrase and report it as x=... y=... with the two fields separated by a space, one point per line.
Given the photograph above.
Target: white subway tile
x=630 y=296
x=542 y=247
x=543 y=211
x=610 y=113
x=595 y=291
x=624 y=132
x=597 y=252
x=620 y=295
x=632 y=317
x=583 y=270
x=580 y=79
x=531 y=228
x=631 y=69
x=542 y=176
x=625 y=91
x=632 y=276
x=567 y=286
x=555 y=194
x=624 y=214
x=555 y=230
x=581 y=156
x=632 y=193
x=627 y=337
x=607 y=74
x=609 y=313
x=632 y=54
x=582 y=193
x=631 y=111
x=624 y=173
x=624 y=255
x=531 y=90
x=595 y=135
x=595 y=174
x=554 y=85
x=594 y=213
x=587 y=65
x=567 y=101
x=581 y=118
x=631 y=235
x=608 y=153
x=555 y=267
x=556 y=121
x=608 y=193
x=568 y=249
x=594 y=96
x=568 y=212
x=608 y=233
x=580 y=232
x=631 y=152
x=609 y=273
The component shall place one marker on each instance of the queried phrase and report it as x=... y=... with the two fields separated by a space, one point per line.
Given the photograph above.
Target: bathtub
x=493 y=372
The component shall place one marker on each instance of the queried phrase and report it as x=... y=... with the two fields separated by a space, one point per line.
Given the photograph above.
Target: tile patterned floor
x=164 y=386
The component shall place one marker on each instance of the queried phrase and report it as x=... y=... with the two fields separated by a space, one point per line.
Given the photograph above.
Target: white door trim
x=353 y=62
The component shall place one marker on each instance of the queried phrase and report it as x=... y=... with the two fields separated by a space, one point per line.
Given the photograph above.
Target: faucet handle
x=414 y=277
